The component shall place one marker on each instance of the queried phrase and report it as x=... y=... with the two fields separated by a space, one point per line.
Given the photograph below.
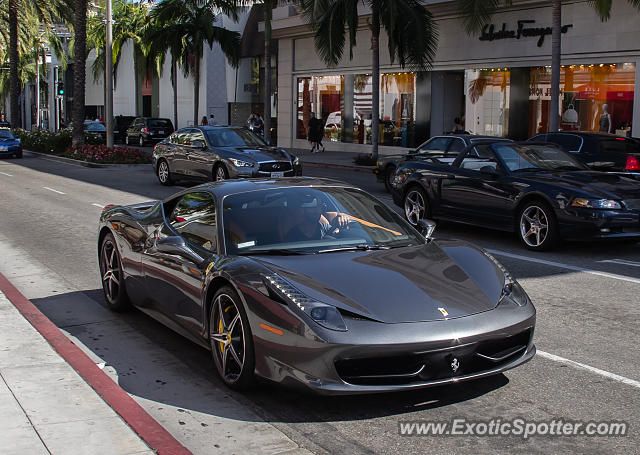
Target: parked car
x=445 y=145
x=9 y=144
x=216 y=263
x=93 y=129
x=5 y=125
x=120 y=126
x=537 y=190
x=220 y=153
x=145 y=130
x=600 y=151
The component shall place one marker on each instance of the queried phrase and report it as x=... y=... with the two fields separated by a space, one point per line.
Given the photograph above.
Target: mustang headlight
x=296 y=161
x=511 y=288
x=325 y=315
x=595 y=203
x=240 y=163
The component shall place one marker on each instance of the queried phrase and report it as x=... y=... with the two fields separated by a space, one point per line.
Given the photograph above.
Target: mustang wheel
x=415 y=205
x=220 y=173
x=164 y=174
x=231 y=339
x=111 y=272
x=537 y=226
x=388 y=177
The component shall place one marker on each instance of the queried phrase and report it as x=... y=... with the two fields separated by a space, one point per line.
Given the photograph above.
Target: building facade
x=497 y=81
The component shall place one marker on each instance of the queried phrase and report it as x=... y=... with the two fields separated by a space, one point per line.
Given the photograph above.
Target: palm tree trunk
x=13 y=62
x=174 y=76
x=37 y=88
x=375 y=80
x=79 y=70
x=267 y=71
x=555 y=64
x=196 y=90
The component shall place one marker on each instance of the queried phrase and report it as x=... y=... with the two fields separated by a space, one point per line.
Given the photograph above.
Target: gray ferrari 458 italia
x=314 y=282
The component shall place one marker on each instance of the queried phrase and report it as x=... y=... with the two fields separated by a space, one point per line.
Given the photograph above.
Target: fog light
x=605 y=230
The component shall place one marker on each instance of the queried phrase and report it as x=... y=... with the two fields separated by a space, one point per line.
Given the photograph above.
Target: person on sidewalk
x=204 y=121
x=316 y=131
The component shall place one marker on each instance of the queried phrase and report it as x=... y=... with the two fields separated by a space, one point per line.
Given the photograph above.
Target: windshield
x=530 y=157
x=6 y=134
x=160 y=123
x=94 y=126
x=311 y=220
x=234 y=137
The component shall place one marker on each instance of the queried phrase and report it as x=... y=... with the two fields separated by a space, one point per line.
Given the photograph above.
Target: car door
x=181 y=143
x=200 y=159
x=174 y=273
x=476 y=196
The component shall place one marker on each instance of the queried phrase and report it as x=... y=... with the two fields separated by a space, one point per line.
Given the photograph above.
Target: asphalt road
x=588 y=332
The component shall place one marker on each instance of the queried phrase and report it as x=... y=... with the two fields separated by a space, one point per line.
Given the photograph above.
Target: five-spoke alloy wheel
x=164 y=174
x=537 y=226
x=220 y=173
x=231 y=339
x=112 y=278
x=415 y=205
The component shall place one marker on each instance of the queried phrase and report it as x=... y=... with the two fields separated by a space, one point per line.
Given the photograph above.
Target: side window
x=197 y=135
x=569 y=142
x=194 y=217
x=437 y=144
x=456 y=146
x=478 y=157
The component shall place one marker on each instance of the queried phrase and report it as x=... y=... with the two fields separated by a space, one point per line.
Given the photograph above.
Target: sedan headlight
x=240 y=163
x=595 y=203
x=511 y=288
x=325 y=315
x=296 y=161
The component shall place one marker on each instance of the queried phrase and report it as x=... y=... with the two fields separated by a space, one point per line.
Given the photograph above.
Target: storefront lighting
x=601 y=65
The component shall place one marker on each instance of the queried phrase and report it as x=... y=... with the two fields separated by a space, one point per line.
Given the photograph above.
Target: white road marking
x=98 y=205
x=51 y=189
x=582 y=366
x=622 y=261
x=566 y=266
x=8 y=175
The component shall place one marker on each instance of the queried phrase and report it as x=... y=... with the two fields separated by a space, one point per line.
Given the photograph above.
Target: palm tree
x=79 y=70
x=193 y=20
x=477 y=13
x=409 y=25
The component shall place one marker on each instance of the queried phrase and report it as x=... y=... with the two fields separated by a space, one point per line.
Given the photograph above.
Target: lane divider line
x=154 y=434
x=98 y=205
x=582 y=366
x=8 y=175
x=566 y=266
x=51 y=189
x=622 y=262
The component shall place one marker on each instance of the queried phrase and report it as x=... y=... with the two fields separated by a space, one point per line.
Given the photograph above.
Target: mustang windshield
x=311 y=220
x=532 y=157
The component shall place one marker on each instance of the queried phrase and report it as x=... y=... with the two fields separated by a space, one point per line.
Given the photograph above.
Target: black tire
x=537 y=227
x=389 y=172
x=231 y=346
x=141 y=141
x=111 y=275
x=163 y=173
x=416 y=205
x=220 y=173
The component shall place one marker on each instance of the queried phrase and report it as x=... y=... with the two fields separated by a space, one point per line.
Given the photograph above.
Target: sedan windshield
x=311 y=220
x=6 y=134
x=535 y=157
x=234 y=137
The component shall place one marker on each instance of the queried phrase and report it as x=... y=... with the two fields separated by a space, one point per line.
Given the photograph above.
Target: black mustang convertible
x=537 y=190
x=314 y=282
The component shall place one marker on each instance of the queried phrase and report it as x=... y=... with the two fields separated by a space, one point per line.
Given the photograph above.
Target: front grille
x=276 y=166
x=436 y=365
x=633 y=204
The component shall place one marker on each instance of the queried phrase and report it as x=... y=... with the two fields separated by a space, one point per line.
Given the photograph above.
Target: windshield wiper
x=274 y=252
x=363 y=247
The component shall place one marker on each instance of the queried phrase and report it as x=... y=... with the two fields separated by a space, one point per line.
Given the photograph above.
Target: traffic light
x=60 y=88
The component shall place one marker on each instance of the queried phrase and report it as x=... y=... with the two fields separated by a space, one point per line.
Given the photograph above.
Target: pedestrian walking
x=258 y=124
x=204 y=120
x=212 y=119
x=316 y=131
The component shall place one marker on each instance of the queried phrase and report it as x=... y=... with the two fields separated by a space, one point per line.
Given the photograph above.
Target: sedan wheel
x=220 y=173
x=164 y=175
x=231 y=339
x=388 y=177
x=415 y=205
x=112 y=277
x=537 y=226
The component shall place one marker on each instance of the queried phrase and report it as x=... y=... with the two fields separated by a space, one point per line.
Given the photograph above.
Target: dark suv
x=145 y=130
x=600 y=151
x=120 y=127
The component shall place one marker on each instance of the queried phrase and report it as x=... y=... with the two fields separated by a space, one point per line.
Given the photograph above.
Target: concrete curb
x=63 y=159
x=154 y=434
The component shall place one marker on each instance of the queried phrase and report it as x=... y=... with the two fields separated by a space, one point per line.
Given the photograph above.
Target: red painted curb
x=136 y=417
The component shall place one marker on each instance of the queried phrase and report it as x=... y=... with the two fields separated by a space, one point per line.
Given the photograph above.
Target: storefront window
x=593 y=97
x=487 y=109
x=397 y=109
x=362 y=107
x=324 y=96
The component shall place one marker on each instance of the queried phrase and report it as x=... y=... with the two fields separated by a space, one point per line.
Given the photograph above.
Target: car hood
x=408 y=284
x=598 y=184
x=258 y=154
x=6 y=140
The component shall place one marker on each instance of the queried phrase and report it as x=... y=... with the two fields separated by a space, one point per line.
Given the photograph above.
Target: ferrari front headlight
x=511 y=289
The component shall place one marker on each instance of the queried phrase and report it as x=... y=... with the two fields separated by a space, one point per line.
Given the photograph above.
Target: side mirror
x=426 y=228
x=198 y=144
x=177 y=246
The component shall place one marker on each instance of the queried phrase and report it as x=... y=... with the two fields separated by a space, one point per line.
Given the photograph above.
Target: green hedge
x=44 y=141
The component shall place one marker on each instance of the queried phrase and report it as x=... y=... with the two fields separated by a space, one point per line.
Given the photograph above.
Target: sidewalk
x=50 y=407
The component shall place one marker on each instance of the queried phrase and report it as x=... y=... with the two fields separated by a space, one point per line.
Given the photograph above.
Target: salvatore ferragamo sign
x=489 y=32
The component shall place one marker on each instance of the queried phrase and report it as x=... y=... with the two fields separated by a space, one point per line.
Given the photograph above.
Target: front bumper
x=259 y=170
x=585 y=224
x=11 y=150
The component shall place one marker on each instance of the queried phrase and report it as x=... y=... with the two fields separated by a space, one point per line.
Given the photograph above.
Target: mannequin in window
x=605 y=120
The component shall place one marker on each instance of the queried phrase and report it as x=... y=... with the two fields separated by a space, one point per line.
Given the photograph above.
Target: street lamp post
x=109 y=80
